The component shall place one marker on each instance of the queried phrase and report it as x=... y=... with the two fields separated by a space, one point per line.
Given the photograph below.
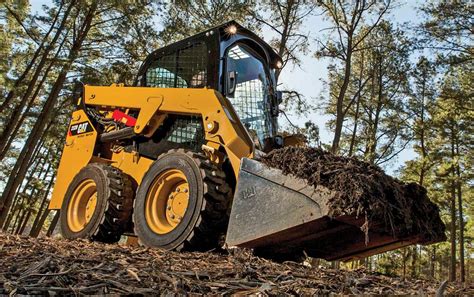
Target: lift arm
x=222 y=126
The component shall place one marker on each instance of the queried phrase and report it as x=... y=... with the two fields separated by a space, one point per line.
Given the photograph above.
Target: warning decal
x=80 y=128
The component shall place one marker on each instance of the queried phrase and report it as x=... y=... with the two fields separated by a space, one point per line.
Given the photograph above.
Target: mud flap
x=283 y=213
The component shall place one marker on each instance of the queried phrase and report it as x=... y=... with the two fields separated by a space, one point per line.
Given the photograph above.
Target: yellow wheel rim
x=82 y=205
x=166 y=201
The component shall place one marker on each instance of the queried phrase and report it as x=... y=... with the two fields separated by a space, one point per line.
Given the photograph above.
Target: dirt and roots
x=57 y=266
x=365 y=191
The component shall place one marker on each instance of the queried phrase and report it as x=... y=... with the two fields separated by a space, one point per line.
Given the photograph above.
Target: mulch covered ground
x=364 y=191
x=55 y=266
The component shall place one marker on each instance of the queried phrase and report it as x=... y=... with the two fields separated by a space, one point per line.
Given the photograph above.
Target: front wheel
x=182 y=203
x=97 y=205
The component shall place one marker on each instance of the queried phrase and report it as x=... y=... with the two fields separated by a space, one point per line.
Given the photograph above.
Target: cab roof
x=223 y=35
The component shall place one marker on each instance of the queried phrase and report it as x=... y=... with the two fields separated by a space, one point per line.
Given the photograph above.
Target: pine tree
x=375 y=96
x=454 y=144
x=346 y=39
x=182 y=18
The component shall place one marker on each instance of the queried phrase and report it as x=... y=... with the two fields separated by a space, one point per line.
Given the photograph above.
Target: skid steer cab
x=160 y=160
x=171 y=160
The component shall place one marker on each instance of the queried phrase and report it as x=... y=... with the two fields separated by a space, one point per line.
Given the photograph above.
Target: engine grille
x=187 y=131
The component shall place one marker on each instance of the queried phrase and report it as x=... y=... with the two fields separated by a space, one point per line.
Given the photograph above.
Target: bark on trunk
x=340 y=100
x=54 y=222
x=5 y=146
x=17 y=202
x=16 y=86
x=462 y=269
x=284 y=34
x=452 y=266
x=20 y=222
x=32 y=197
x=414 y=262
x=378 y=110
x=433 y=262
x=36 y=226
x=356 y=115
x=25 y=221
x=21 y=165
x=40 y=224
x=405 y=256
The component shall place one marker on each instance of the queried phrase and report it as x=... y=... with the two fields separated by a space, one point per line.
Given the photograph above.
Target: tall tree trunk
x=21 y=165
x=25 y=221
x=358 y=98
x=32 y=196
x=17 y=227
x=5 y=146
x=422 y=134
x=35 y=197
x=433 y=262
x=13 y=119
x=34 y=226
x=284 y=34
x=34 y=160
x=452 y=267
x=36 y=232
x=340 y=99
x=441 y=265
x=53 y=224
x=414 y=262
x=404 y=265
x=462 y=271
x=16 y=86
x=18 y=202
x=378 y=110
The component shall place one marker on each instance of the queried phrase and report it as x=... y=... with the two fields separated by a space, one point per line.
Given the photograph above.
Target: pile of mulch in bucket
x=363 y=190
x=49 y=266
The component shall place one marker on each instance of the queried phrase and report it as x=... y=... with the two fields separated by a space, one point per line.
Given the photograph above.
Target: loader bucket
x=281 y=213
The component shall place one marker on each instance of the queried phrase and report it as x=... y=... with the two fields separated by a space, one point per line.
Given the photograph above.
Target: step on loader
x=173 y=159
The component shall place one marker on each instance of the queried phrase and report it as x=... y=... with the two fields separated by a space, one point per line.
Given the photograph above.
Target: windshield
x=250 y=95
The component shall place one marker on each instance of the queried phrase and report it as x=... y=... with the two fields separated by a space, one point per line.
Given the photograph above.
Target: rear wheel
x=97 y=205
x=182 y=203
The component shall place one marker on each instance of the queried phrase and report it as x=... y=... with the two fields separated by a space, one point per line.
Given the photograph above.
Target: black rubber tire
x=206 y=218
x=114 y=204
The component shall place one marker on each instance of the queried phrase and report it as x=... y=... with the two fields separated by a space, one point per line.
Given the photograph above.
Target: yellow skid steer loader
x=172 y=159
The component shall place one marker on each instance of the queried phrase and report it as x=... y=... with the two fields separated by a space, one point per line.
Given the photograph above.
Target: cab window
x=248 y=90
x=185 y=68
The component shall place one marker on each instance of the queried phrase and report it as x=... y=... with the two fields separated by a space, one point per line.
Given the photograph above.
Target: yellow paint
x=82 y=205
x=167 y=201
x=221 y=125
x=136 y=169
x=77 y=153
x=209 y=104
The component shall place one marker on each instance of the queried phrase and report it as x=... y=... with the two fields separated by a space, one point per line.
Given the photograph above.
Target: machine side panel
x=77 y=152
x=221 y=123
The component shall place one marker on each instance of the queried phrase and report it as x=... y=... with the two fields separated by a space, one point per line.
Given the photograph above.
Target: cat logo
x=80 y=128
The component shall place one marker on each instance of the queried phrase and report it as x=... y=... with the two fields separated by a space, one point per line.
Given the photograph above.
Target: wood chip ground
x=57 y=266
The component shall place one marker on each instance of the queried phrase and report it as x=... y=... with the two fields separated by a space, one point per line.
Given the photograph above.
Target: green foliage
x=448 y=30
x=184 y=18
x=13 y=42
x=393 y=98
x=376 y=95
